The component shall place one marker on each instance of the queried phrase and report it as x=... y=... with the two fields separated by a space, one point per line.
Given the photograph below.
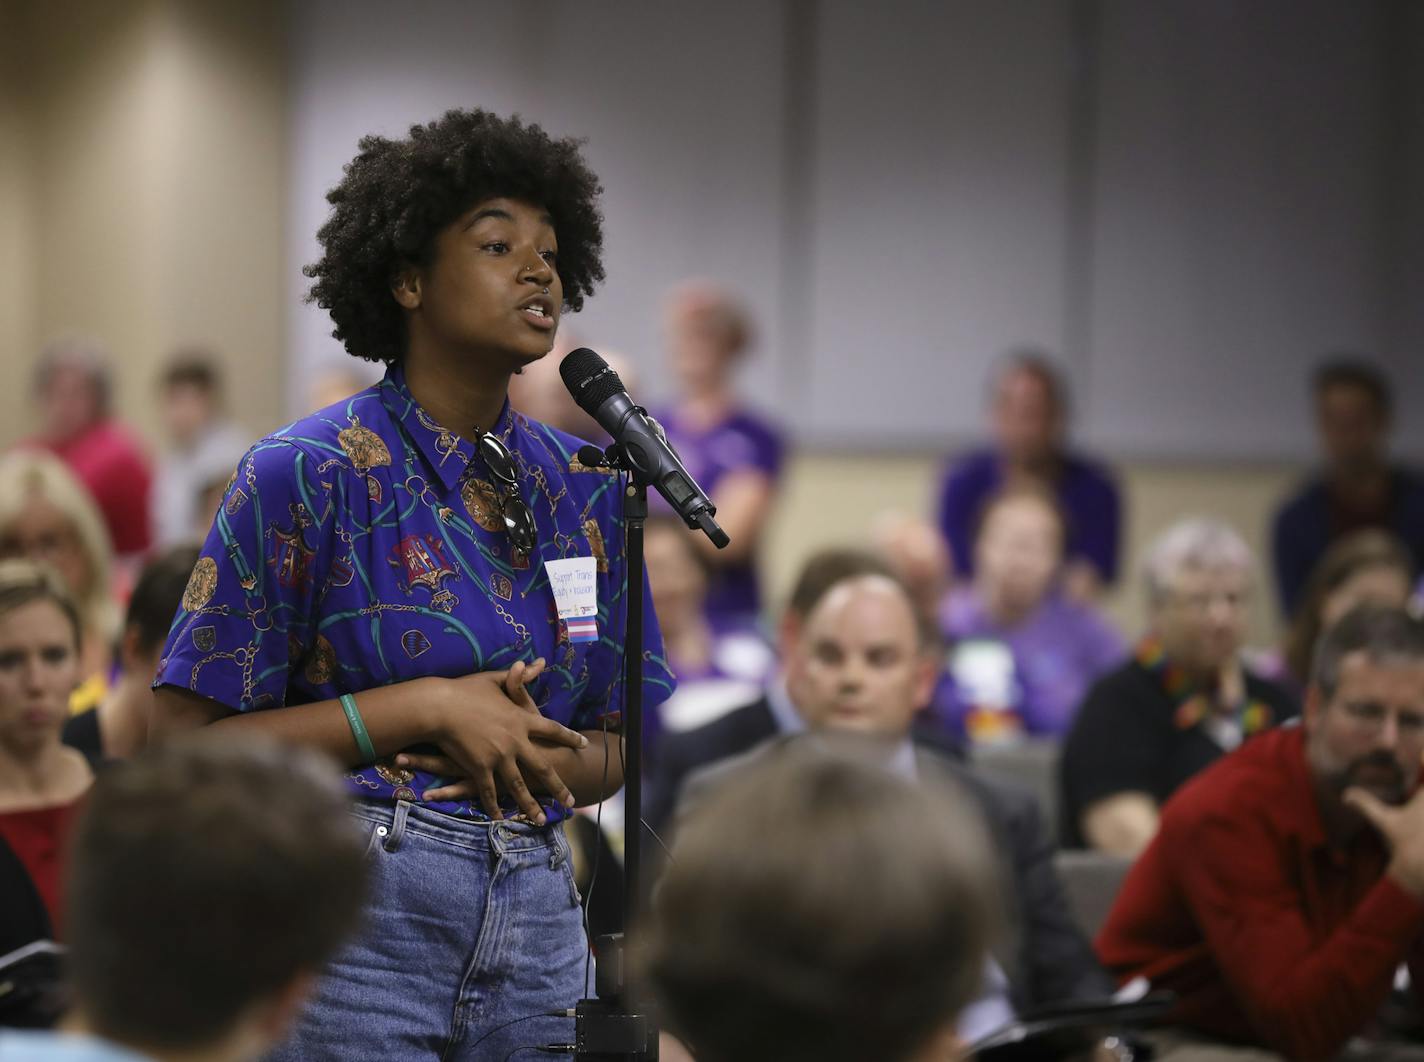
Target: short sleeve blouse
x=363 y=546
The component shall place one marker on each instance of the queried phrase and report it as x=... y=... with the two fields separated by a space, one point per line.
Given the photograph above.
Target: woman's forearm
x=395 y=717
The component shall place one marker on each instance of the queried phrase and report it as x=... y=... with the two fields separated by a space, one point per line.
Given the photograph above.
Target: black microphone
x=599 y=393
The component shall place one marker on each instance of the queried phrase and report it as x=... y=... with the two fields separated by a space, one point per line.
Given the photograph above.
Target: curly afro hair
x=397 y=195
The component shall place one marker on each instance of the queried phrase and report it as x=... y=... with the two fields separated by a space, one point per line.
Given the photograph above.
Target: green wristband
x=358 y=728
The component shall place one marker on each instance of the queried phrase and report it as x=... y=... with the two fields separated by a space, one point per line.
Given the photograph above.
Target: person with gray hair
x=72 y=391
x=1286 y=883
x=1183 y=700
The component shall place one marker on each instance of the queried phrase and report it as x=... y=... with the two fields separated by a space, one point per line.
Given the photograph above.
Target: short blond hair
x=25 y=474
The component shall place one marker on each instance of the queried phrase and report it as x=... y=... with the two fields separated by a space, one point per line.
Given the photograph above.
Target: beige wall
x=16 y=290
x=833 y=500
x=141 y=187
x=142 y=168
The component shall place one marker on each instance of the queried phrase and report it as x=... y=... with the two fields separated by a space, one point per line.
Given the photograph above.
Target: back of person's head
x=47 y=515
x=919 y=555
x=797 y=925
x=155 y=600
x=1370 y=566
x=209 y=880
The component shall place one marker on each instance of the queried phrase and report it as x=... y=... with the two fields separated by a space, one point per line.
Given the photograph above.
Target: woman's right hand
x=494 y=741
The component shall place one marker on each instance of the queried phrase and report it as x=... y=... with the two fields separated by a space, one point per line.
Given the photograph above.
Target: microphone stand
x=615 y=1026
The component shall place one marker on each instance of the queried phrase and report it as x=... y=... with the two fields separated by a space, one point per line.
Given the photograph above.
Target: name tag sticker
x=574 y=581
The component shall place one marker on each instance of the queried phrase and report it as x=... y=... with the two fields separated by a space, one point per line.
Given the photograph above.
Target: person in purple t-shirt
x=1029 y=419
x=733 y=454
x=1023 y=653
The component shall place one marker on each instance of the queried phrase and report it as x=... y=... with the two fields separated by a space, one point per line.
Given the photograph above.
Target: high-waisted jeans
x=471 y=926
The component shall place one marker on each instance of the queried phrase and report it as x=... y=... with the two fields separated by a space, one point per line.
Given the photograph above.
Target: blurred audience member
x=732 y=453
x=1180 y=703
x=1367 y=567
x=539 y=393
x=74 y=391
x=336 y=382
x=918 y=554
x=1286 y=884
x=203 y=445
x=41 y=780
x=211 y=881
x=212 y=483
x=1023 y=652
x=1357 y=488
x=860 y=665
x=830 y=939
x=118 y=727
x=47 y=516
x=1028 y=419
x=768 y=715
x=717 y=668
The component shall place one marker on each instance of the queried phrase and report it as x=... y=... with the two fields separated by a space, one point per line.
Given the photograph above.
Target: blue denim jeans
x=471 y=925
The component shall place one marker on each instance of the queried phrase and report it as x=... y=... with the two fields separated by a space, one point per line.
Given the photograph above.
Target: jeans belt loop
x=393 y=839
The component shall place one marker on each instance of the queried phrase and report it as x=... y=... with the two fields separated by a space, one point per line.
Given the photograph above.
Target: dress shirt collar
x=788 y=721
x=446 y=453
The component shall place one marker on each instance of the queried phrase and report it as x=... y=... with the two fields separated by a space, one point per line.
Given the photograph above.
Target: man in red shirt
x=73 y=390
x=1286 y=884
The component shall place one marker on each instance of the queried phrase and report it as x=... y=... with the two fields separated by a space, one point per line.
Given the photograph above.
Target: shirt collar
x=788 y=720
x=447 y=454
x=902 y=761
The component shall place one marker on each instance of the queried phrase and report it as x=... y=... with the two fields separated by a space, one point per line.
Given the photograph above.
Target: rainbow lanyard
x=1192 y=705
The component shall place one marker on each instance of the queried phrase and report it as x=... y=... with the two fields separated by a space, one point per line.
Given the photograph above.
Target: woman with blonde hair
x=41 y=779
x=47 y=516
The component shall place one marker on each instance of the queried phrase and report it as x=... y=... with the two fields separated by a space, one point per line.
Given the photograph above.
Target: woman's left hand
x=516 y=686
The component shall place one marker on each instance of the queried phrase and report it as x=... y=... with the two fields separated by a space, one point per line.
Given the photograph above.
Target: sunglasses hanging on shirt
x=518 y=518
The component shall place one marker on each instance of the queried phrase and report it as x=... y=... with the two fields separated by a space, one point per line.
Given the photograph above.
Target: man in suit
x=857 y=660
x=744 y=728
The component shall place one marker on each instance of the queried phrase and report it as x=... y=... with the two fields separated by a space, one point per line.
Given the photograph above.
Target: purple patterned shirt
x=363 y=546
